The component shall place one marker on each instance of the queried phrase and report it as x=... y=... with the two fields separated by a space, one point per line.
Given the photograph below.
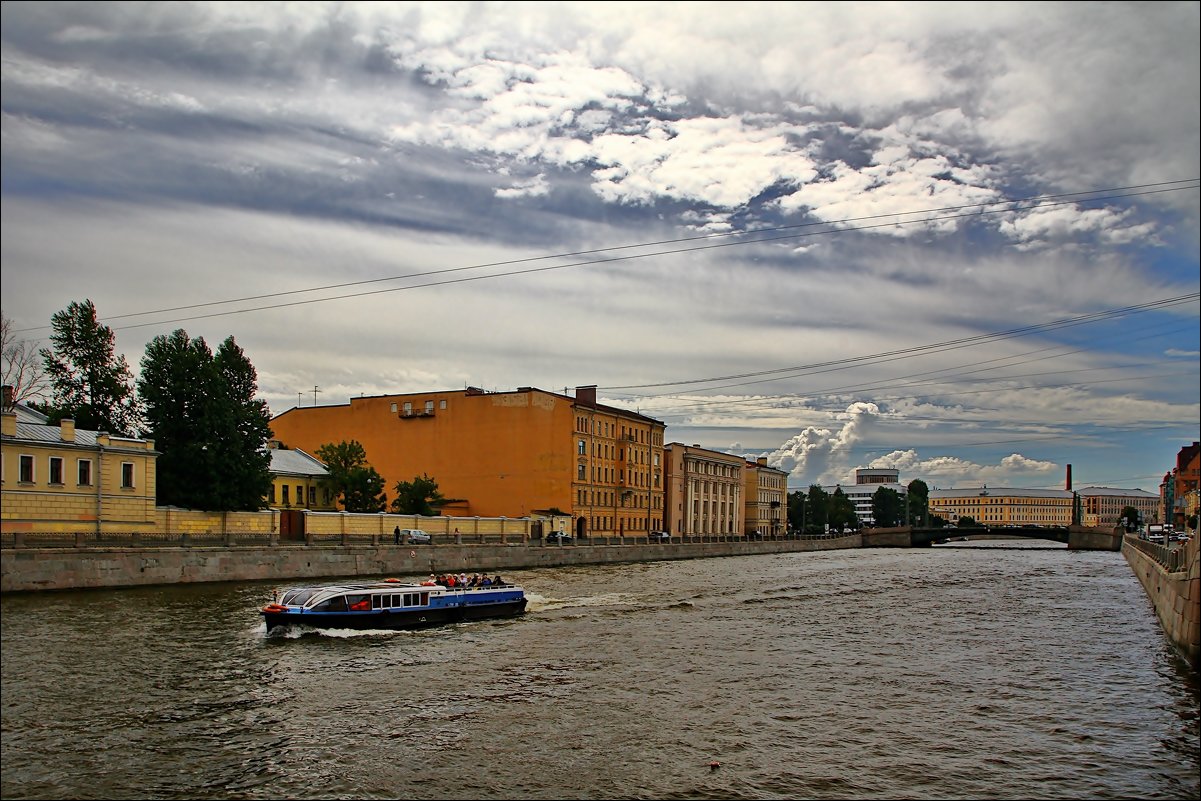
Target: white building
x=867 y=481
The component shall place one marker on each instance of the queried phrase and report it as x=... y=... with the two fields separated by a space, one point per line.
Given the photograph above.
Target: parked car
x=415 y=536
x=659 y=536
x=558 y=537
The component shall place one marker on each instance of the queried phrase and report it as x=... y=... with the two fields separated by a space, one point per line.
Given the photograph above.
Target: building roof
x=295 y=462
x=1121 y=493
x=32 y=426
x=1008 y=492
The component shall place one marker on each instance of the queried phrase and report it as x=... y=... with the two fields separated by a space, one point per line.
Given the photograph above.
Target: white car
x=414 y=536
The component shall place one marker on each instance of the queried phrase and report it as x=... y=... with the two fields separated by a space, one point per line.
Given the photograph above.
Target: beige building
x=765 y=495
x=704 y=492
x=1004 y=506
x=63 y=479
x=297 y=481
x=1102 y=506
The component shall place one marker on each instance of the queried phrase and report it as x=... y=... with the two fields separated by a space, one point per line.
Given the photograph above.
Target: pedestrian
x=396 y=536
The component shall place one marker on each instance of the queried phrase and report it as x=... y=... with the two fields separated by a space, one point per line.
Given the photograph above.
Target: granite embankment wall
x=1175 y=594
x=32 y=569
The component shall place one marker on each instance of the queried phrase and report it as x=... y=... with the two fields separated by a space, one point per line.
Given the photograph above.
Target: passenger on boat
x=485 y=581
x=497 y=582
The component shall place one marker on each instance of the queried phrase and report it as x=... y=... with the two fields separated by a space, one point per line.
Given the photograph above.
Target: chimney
x=66 y=429
x=762 y=461
x=10 y=401
x=586 y=395
x=1069 y=479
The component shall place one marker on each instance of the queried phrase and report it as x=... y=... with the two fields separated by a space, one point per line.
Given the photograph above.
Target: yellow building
x=1003 y=506
x=704 y=492
x=298 y=481
x=765 y=491
x=1102 y=506
x=63 y=479
x=525 y=453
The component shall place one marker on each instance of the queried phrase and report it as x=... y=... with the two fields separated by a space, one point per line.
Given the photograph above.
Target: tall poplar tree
x=89 y=382
x=210 y=431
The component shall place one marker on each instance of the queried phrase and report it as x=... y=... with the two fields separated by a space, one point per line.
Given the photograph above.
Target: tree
x=247 y=426
x=817 y=508
x=211 y=433
x=417 y=497
x=888 y=507
x=1130 y=518
x=22 y=366
x=918 y=503
x=841 y=512
x=351 y=479
x=967 y=521
x=796 y=511
x=90 y=384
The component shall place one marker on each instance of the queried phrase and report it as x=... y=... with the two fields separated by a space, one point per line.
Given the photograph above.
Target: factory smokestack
x=1069 y=486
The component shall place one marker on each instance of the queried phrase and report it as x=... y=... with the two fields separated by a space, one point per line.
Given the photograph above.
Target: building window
x=408 y=408
x=312 y=496
x=581 y=473
x=442 y=403
x=56 y=470
x=126 y=475
x=26 y=469
x=271 y=494
x=85 y=472
x=429 y=407
x=394 y=408
x=299 y=495
x=285 y=489
x=582 y=448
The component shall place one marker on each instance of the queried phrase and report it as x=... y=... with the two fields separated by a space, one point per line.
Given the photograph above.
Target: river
x=987 y=670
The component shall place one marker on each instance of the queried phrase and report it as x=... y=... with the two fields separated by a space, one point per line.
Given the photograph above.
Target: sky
x=956 y=239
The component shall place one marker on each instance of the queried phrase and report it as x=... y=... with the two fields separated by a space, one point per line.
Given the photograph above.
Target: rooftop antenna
x=315 y=391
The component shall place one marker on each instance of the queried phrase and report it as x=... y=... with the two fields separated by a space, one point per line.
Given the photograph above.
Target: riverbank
x=1176 y=595
x=35 y=569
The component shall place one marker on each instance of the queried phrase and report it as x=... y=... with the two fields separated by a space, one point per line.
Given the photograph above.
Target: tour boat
x=390 y=604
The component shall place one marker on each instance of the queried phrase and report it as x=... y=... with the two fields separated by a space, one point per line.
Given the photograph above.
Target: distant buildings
x=525 y=453
x=1003 y=506
x=1177 y=485
x=867 y=482
x=1102 y=506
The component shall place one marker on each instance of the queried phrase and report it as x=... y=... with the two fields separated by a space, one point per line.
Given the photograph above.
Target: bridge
x=1077 y=538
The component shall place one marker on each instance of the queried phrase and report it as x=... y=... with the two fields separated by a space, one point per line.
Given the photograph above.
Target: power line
x=1038 y=201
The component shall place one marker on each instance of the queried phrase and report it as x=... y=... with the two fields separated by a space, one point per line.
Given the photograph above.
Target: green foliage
x=918 y=502
x=209 y=429
x=888 y=507
x=967 y=521
x=841 y=511
x=417 y=497
x=817 y=509
x=89 y=382
x=355 y=483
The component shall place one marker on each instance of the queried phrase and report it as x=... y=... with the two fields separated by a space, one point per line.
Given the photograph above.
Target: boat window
x=358 y=603
x=297 y=597
x=336 y=604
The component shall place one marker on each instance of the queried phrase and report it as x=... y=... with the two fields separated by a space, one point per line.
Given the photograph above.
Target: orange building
x=514 y=454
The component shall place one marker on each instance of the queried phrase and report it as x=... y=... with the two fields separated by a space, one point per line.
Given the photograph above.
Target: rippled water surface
x=989 y=671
